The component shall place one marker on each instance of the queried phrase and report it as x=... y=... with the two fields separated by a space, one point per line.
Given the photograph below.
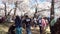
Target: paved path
x=4 y=27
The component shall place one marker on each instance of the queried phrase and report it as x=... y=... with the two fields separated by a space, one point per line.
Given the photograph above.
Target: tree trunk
x=10 y=11
x=52 y=17
x=5 y=11
x=15 y=8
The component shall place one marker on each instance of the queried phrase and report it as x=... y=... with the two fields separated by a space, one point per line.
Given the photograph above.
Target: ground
x=5 y=26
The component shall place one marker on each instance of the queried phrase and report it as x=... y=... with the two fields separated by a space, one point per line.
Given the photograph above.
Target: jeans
x=19 y=30
x=28 y=30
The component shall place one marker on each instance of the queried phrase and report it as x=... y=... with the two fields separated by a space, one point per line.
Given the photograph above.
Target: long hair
x=17 y=17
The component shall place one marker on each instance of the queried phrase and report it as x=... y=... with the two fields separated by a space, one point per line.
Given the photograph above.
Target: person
x=18 y=25
x=23 y=22
x=35 y=21
x=53 y=21
x=3 y=19
x=27 y=22
x=0 y=19
x=40 y=25
x=57 y=27
x=11 y=29
x=44 y=24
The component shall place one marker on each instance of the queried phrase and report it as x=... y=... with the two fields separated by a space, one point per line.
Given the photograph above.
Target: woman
x=18 y=25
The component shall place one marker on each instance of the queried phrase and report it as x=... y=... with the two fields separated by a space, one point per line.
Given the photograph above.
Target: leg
x=40 y=29
x=19 y=30
x=28 y=30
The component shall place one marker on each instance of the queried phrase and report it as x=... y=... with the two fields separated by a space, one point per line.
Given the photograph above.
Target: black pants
x=40 y=29
x=52 y=30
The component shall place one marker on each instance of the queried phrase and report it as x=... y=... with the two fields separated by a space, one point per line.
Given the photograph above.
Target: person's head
x=26 y=16
x=17 y=17
x=44 y=17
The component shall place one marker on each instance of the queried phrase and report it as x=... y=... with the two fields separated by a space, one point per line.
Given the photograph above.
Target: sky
x=31 y=3
x=42 y=3
x=57 y=11
x=0 y=2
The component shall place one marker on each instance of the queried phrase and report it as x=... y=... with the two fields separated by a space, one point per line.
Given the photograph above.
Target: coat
x=18 y=22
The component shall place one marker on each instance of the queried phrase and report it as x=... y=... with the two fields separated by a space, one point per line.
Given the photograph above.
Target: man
x=27 y=22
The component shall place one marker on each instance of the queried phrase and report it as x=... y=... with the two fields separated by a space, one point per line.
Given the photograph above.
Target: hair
x=44 y=17
x=26 y=15
x=17 y=17
x=59 y=18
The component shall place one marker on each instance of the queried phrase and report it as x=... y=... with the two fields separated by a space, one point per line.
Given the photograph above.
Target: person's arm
x=30 y=22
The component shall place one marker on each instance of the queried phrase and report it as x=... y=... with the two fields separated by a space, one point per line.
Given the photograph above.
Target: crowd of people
x=26 y=22
x=55 y=26
x=2 y=19
x=42 y=22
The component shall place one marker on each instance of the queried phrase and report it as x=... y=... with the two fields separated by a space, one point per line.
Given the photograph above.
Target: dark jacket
x=18 y=22
x=27 y=22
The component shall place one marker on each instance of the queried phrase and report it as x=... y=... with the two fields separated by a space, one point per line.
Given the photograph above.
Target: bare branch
x=44 y=10
x=10 y=11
